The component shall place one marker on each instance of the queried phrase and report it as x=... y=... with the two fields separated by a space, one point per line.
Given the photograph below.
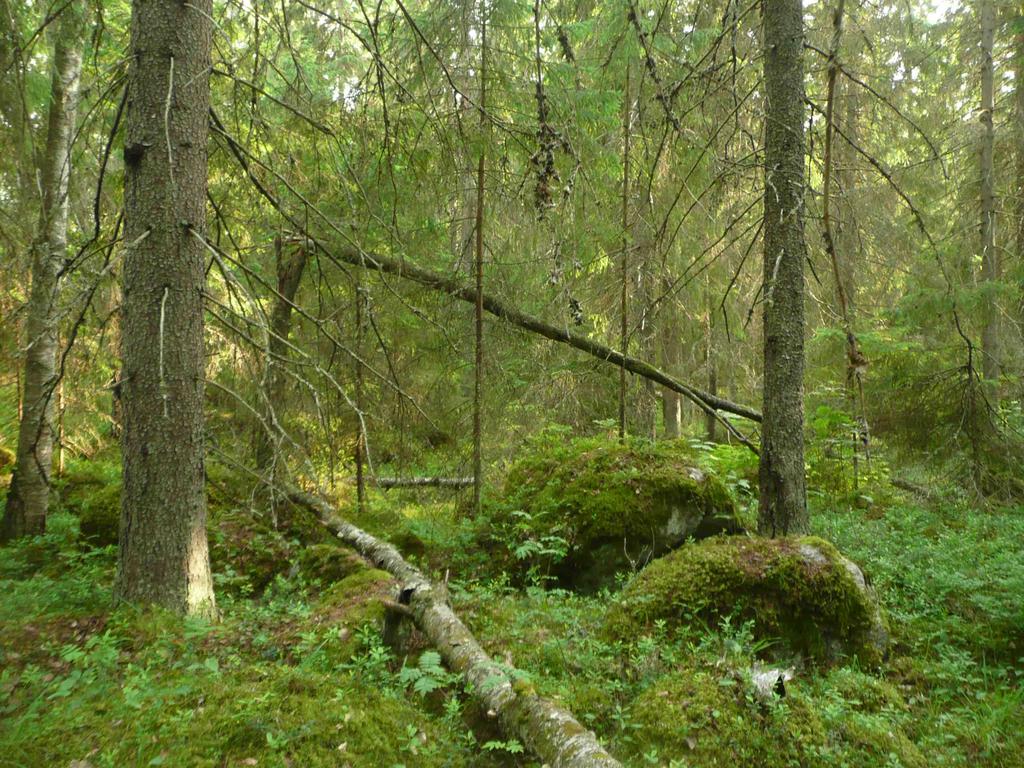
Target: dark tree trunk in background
x=989 y=255
x=290 y=265
x=783 y=499
x=29 y=494
x=671 y=355
x=710 y=363
x=163 y=556
x=1018 y=93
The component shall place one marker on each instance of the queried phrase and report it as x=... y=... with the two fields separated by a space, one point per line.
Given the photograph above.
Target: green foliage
x=707 y=718
x=91 y=489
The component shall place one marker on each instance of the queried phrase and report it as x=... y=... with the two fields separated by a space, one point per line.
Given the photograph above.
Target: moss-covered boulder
x=330 y=562
x=583 y=510
x=245 y=551
x=91 y=490
x=710 y=717
x=356 y=601
x=801 y=591
x=7 y=460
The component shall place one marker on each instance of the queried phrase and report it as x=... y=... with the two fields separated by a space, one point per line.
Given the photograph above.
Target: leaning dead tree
x=422 y=482
x=709 y=404
x=552 y=733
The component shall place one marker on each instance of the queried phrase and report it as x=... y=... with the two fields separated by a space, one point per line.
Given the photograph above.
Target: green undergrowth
x=297 y=676
x=296 y=672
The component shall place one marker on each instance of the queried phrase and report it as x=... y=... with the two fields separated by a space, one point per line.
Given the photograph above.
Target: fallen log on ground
x=549 y=731
x=421 y=482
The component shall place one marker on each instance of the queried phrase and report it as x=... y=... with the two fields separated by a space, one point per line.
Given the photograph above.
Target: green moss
x=707 y=719
x=798 y=590
x=872 y=740
x=244 y=547
x=257 y=715
x=354 y=602
x=91 y=490
x=331 y=562
x=862 y=692
x=604 y=506
x=7 y=460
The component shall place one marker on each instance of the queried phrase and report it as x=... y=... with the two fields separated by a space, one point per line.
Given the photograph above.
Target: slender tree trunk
x=1018 y=93
x=360 y=448
x=624 y=285
x=163 y=557
x=670 y=332
x=989 y=256
x=29 y=494
x=289 y=266
x=710 y=364
x=783 y=500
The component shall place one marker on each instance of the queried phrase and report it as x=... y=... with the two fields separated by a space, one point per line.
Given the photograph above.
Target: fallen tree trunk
x=704 y=400
x=710 y=404
x=549 y=731
x=422 y=482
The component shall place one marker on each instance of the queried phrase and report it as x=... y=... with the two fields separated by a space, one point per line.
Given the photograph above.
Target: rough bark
x=290 y=265
x=29 y=494
x=550 y=732
x=989 y=255
x=163 y=557
x=783 y=500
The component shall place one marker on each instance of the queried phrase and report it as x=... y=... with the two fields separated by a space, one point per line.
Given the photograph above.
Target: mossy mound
x=710 y=717
x=588 y=508
x=328 y=563
x=245 y=551
x=354 y=602
x=798 y=590
x=7 y=460
x=91 y=490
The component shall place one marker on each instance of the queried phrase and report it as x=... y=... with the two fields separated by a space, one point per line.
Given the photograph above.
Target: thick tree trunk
x=783 y=502
x=989 y=255
x=550 y=732
x=163 y=557
x=290 y=266
x=29 y=494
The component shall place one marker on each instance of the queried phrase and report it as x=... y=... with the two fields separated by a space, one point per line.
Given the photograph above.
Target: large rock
x=582 y=510
x=801 y=591
x=712 y=716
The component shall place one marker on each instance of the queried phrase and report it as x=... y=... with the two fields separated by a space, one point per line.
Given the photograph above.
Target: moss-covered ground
x=296 y=674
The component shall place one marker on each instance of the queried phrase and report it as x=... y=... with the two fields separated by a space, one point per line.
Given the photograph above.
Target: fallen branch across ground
x=421 y=482
x=549 y=731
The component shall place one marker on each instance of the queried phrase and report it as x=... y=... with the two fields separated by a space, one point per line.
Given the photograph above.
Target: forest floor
x=296 y=674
